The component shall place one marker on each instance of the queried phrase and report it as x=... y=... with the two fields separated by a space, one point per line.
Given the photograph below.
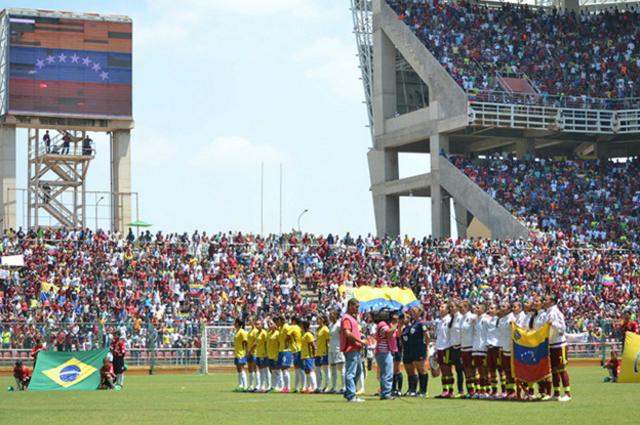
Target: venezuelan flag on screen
x=68 y=66
x=530 y=355
x=372 y=299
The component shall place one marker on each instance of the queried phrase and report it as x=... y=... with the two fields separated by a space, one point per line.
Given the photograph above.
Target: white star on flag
x=50 y=59
x=40 y=63
x=86 y=61
x=74 y=58
x=96 y=67
x=104 y=75
x=62 y=57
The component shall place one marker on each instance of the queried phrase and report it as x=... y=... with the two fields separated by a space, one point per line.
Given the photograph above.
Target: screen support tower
x=363 y=29
x=54 y=173
x=58 y=168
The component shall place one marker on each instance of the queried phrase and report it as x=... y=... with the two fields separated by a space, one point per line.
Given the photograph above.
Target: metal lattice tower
x=57 y=175
x=363 y=29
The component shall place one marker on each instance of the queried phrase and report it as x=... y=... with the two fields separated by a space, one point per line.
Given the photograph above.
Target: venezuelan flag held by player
x=372 y=298
x=630 y=367
x=530 y=355
x=68 y=371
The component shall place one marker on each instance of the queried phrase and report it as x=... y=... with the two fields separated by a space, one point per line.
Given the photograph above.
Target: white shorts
x=336 y=357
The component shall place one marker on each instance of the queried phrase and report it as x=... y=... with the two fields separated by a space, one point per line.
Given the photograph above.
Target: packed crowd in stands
x=569 y=57
x=587 y=200
x=77 y=287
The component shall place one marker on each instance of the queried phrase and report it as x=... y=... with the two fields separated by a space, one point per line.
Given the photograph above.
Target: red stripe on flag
x=69 y=97
x=531 y=373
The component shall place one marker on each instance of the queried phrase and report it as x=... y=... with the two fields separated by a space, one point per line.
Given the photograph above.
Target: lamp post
x=300 y=216
x=98 y=203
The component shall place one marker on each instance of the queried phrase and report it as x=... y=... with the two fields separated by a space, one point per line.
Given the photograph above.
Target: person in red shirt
x=35 y=350
x=22 y=374
x=107 y=375
x=613 y=366
x=351 y=344
x=119 y=350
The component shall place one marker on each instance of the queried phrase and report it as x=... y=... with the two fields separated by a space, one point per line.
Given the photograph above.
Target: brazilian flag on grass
x=62 y=371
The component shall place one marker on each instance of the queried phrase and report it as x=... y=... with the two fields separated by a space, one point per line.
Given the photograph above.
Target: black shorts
x=397 y=356
x=118 y=364
x=456 y=358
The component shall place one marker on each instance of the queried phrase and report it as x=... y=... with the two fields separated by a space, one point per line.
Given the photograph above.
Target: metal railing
x=224 y=355
x=533 y=117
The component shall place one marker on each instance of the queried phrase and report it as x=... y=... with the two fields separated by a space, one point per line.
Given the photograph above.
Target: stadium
x=520 y=302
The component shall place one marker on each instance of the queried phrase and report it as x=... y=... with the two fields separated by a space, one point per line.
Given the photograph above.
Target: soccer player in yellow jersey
x=262 y=360
x=240 y=352
x=322 y=354
x=296 y=347
x=272 y=353
x=307 y=354
x=251 y=357
x=284 y=352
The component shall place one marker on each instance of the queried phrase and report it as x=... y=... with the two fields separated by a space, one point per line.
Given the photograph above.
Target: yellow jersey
x=253 y=334
x=296 y=338
x=273 y=345
x=323 y=342
x=261 y=344
x=240 y=344
x=307 y=346
x=284 y=338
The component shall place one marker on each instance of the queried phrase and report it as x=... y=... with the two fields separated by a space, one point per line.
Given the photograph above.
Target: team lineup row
x=471 y=342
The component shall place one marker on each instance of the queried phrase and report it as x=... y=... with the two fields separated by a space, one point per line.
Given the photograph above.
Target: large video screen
x=69 y=67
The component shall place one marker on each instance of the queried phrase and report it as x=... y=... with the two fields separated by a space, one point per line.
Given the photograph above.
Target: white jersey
x=466 y=330
x=558 y=327
x=480 y=328
x=492 y=331
x=522 y=319
x=539 y=319
x=504 y=332
x=443 y=333
x=334 y=337
x=455 y=336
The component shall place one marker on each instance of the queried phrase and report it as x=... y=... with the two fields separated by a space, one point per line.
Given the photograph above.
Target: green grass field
x=194 y=399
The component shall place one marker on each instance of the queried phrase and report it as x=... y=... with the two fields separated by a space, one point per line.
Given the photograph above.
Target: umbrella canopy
x=139 y=223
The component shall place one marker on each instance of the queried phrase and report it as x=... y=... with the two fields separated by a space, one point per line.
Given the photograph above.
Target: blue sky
x=221 y=86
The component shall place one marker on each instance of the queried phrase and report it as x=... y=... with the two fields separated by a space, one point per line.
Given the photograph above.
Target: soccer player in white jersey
x=506 y=318
x=493 y=350
x=480 y=328
x=336 y=357
x=558 y=349
x=443 y=347
x=538 y=319
x=454 y=337
x=466 y=346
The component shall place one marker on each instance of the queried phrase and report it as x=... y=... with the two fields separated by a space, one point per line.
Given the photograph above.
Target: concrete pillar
x=384 y=83
x=8 y=177
x=121 y=179
x=572 y=5
x=440 y=201
x=383 y=167
x=525 y=148
x=602 y=151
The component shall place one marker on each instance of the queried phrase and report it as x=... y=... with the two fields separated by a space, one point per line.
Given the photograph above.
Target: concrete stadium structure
x=415 y=106
x=50 y=173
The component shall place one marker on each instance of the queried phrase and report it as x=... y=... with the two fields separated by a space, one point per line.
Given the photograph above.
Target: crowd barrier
x=223 y=355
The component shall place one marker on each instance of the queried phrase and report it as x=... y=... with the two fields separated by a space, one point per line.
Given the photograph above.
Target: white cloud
x=149 y=150
x=333 y=62
x=234 y=151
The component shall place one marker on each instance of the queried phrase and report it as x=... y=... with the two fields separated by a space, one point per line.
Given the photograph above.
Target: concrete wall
x=121 y=178
x=7 y=177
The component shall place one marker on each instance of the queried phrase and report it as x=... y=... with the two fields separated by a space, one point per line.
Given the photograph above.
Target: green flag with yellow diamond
x=64 y=371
